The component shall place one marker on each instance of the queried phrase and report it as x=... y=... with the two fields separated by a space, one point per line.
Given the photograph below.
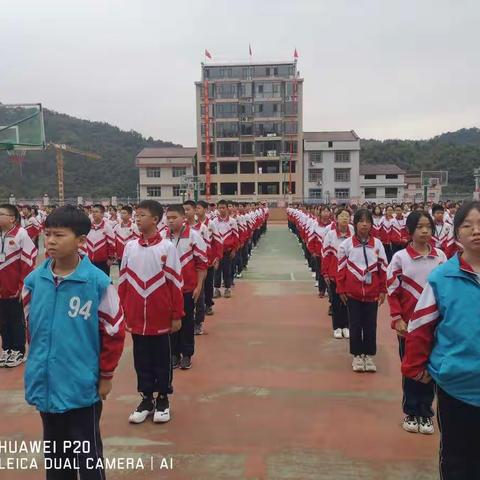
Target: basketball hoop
x=17 y=156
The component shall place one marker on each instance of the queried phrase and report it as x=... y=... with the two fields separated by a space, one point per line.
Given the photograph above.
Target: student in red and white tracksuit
x=329 y=265
x=17 y=260
x=386 y=232
x=150 y=289
x=100 y=241
x=361 y=284
x=124 y=232
x=399 y=236
x=406 y=278
x=214 y=252
x=192 y=251
x=227 y=230
x=31 y=224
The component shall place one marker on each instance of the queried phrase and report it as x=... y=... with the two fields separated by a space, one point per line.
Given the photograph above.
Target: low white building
x=382 y=183
x=331 y=162
x=161 y=171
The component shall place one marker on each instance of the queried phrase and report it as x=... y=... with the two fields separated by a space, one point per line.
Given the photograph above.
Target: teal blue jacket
x=63 y=364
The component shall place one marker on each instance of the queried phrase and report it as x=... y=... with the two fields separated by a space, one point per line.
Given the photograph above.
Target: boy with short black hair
x=124 y=232
x=100 y=240
x=76 y=335
x=192 y=251
x=150 y=288
x=17 y=259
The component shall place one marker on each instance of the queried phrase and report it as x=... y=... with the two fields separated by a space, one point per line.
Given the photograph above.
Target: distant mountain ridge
x=116 y=174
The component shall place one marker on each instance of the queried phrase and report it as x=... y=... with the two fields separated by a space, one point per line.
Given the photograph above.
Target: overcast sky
x=385 y=68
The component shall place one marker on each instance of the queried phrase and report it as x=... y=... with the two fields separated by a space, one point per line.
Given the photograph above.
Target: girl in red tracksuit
x=386 y=232
x=361 y=284
x=334 y=237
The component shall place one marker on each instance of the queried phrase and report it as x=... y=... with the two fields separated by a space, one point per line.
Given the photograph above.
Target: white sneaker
x=346 y=333
x=316 y=284
x=370 y=364
x=425 y=426
x=4 y=357
x=15 y=359
x=337 y=333
x=144 y=410
x=314 y=274
x=162 y=410
x=358 y=365
x=410 y=424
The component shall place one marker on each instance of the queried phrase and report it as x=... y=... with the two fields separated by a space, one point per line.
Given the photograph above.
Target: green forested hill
x=114 y=174
x=458 y=152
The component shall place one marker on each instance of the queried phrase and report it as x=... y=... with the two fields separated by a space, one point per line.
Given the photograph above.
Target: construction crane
x=59 y=149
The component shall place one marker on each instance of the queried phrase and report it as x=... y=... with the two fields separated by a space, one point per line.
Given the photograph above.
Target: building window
x=268 y=167
x=179 y=171
x=228 y=149
x=213 y=168
x=315 y=157
x=391 y=176
x=315 y=175
x=247 y=148
x=291 y=128
x=342 y=174
x=268 y=188
x=228 y=189
x=315 y=193
x=154 y=172
x=228 y=167
x=285 y=187
x=247 y=188
x=226 y=130
x=370 y=177
x=391 y=192
x=342 y=157
x=342 y=193
x=330 y=144
x=154 y=191
x=213 y=189
x=286 y=166
x=177 y=191
x=247 y=167
x=370 y=192
x=246 y=129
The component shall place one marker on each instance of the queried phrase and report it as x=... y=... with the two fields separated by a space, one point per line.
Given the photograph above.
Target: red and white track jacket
x=150 y=286
x=192 y=251
x=20 y=255
x=207 y=230
x=32 y=226
x=406 y=278
x=355 y=278
x=442 y=238
x=399 y=235
x=315 y=243
x=227 y=229
x=124 y=234
x=100 y=242
x=331 y=244
x=386 y=231
x=377 y=227
x=162 y=225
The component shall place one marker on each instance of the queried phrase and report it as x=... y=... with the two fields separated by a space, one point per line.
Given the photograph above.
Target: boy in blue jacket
x=76 y=332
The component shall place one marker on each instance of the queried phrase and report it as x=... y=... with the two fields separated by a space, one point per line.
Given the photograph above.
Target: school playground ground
x=271 y=394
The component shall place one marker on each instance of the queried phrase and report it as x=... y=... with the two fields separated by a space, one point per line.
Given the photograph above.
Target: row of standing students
x=433 y=307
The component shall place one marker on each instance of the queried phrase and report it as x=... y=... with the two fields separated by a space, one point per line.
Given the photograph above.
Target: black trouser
x=12 y=325
x=103 y=266
x=224 y=270
x=417 y=396
x=363 y=327
x=152 y=358
x=459 y=425
x=388 y=251
x=244 y=254
x=256 y=236
x=396 y=247
x=183 y=341
x=339 y=309
x=78 y=425
x=200 y=307
x=322 y=286
x=208 y=287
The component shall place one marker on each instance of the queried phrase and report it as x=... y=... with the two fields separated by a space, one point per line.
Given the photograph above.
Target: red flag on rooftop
x=295 y=54
x=207 y=54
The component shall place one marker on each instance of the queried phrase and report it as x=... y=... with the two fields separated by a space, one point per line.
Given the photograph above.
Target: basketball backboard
x=21 y=127
x=434 y=178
